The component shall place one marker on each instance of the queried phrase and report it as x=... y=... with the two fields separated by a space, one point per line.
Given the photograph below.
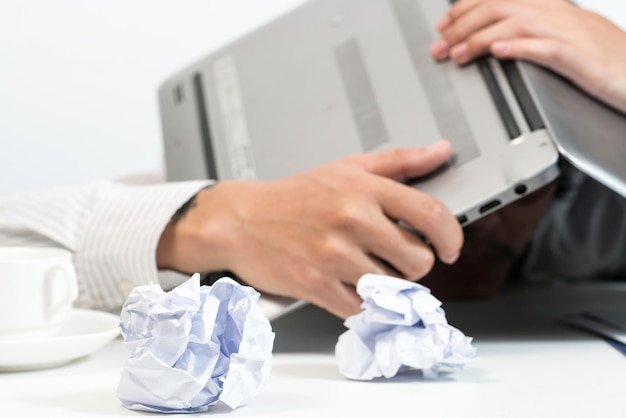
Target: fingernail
x=439 y=49
x=501 y=48
x=441 y=145
x=451 y=259
x=443 y=23
x=460 y=53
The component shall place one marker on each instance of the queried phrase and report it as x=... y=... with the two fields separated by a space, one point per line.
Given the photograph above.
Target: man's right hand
x=312 y=235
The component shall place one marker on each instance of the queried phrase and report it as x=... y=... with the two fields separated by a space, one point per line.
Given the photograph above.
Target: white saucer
x=83 y=333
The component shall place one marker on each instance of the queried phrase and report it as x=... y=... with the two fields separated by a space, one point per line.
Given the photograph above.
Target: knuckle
x=521 y=26
x=433 y=213
x=478 y=44
x=332 y=251
x=312 y=280
x=453 y=35
x=349 y=216
x=555 y=55
x=496 y=10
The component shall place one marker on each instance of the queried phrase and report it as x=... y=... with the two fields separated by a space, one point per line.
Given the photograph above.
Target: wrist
x=196 y=238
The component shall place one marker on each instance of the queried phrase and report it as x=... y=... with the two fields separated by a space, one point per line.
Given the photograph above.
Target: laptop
x=338 y=77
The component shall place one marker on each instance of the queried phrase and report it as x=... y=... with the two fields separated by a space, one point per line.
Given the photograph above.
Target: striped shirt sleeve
x=112 y=229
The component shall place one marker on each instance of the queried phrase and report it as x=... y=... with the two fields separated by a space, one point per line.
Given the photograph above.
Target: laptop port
x=520 y=189
x=489 y=206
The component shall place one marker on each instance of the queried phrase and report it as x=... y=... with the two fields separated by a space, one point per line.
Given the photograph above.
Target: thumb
x=404 y=163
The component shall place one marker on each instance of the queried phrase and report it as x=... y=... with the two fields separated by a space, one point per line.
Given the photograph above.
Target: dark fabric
x=582 y=235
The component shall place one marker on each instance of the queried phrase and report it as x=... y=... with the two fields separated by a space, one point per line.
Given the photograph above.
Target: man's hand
x=312 y=235
x=577 y=43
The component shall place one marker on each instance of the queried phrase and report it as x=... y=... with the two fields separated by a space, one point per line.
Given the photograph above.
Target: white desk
x=528 y=366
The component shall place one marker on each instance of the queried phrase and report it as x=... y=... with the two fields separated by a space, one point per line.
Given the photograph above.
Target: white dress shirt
x=111 y=228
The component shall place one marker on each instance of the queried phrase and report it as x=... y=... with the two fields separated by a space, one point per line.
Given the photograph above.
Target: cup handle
x=54 y=303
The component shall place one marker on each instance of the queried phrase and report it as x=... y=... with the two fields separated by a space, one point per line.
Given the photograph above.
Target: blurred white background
x=79 y=79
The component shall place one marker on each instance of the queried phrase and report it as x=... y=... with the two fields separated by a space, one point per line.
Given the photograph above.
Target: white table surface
x=528 y=365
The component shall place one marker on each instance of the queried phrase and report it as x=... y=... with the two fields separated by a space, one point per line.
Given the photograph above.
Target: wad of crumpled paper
x=193 y=346
x=402 y=326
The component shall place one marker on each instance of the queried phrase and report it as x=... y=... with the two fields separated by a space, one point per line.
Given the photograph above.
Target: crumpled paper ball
x=402 y=326
x=193 y=346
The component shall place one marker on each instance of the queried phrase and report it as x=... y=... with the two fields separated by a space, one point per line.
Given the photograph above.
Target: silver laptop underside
x=338 y=77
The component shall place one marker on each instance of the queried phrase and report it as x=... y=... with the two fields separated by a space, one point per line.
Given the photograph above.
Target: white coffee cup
x=38 y=288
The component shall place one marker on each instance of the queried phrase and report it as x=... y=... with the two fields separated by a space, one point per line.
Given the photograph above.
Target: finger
x=459 y=8
x=425 y=214
x=352 y=263
x=404 y=163
x=477 y=18
x=338 y=294
x=409 y=255
x=480 y=43
x=341 y=298
x=481 y=17
x=455 y=11
x=550 y=53
x=344 y=301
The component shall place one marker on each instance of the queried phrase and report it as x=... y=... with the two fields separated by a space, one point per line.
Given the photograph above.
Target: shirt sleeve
x=112 y=229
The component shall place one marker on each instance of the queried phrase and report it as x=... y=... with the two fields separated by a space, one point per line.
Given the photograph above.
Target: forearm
x=112 y=229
